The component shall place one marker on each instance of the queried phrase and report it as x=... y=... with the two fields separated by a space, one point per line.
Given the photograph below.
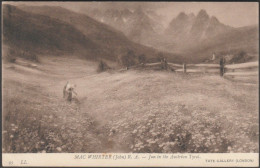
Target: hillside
x=140 y=25
x=131 y=111
x=57 y=31
x=42 y=34
x=245 y=39
x=114 y=42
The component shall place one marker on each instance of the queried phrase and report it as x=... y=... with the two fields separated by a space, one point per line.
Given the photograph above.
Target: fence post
x=184 y=68
x=221 y=70
x=221 y=65
x=165 y=64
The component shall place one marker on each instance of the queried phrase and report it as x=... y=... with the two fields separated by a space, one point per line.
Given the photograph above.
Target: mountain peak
x=203 y=14
x=214 y=19
x=182 y=15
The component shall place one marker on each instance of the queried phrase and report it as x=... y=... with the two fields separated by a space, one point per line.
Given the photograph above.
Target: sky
x=236 y=14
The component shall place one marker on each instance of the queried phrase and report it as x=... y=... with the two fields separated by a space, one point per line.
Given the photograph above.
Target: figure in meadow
x=68 y=91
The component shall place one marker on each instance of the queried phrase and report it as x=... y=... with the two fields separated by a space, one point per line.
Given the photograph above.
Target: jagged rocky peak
x=203 y=14
x=213 y=19
x=182 y=15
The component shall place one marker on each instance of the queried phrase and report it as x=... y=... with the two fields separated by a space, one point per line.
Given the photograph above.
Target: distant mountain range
x=200 y=35
x=139 y=25
x=142 y=26
x=109 y=33
x=190 y=28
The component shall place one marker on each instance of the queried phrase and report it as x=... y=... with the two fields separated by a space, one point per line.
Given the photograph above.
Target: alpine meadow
x=118 y=77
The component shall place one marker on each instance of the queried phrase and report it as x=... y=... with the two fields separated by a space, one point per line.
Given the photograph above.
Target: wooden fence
x=243 y=69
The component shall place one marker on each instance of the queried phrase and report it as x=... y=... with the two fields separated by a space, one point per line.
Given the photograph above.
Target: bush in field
x=29 y=56
x=13 y=53
x=141 y=59
x=128 y=59
x=239 y=57
x=10 y=59
x=102 y=66
x=159 y=57
x=9 y=55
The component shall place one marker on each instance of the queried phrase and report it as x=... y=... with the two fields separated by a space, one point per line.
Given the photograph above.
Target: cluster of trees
x=240 y=57
x=14 y=53
x=102 y=66
x=234 y=56
x=129 y=58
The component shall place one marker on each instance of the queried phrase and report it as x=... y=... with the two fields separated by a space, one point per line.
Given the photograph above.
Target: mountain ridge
x=108 y=43
x=93 y=39
x=136 y=24
x=187 y=29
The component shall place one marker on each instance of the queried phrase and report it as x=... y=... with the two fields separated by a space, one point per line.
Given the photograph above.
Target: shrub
x=159 y=57
x=102 y=66
x=14 y=53
x=29 y=56
x=128 y=59
x=11 y=58
x=141 y=59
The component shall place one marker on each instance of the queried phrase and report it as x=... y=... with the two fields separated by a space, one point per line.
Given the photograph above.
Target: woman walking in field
x=68 y=91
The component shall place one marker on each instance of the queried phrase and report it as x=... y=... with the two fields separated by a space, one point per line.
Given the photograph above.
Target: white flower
x=59 y=149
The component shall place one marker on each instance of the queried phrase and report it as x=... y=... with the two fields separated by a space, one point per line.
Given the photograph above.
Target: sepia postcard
x=150 y=84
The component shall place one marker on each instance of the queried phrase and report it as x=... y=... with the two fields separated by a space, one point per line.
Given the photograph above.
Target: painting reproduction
x=130 y=77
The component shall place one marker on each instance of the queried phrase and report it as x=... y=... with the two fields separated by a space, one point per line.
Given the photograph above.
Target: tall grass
x=24 y=129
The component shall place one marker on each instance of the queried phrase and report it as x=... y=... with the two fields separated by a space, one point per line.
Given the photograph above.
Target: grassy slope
x=119 y=112
x=35 y=120
x=42 y=34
